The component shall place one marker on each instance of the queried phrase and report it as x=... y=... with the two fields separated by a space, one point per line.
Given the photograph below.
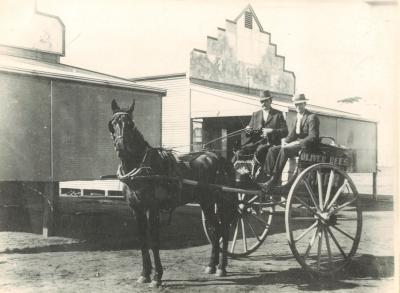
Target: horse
x=153 y=180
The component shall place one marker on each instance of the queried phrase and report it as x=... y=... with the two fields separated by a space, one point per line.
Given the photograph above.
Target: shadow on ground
x=363 y=267
x=287 y=278
x=103 y=232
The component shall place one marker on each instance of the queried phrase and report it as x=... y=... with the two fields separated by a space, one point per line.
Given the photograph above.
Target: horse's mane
x=177 y=164
x=141 y=137
x=190 y=156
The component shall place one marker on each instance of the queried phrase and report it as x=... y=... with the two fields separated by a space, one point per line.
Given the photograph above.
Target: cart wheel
x=250 y=226
x=323 y=219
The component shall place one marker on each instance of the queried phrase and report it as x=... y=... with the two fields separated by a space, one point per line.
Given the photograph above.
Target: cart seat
x=327 y=153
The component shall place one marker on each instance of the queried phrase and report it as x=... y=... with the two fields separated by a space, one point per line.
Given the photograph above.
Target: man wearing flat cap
x=303 y=135
x=266 y=128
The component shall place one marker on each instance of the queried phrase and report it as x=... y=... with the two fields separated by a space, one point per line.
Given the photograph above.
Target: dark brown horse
x=153 y=181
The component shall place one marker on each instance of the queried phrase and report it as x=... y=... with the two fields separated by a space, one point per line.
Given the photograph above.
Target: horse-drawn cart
x=322 y=214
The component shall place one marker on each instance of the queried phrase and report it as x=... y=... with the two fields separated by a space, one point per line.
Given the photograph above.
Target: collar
x=301 y=115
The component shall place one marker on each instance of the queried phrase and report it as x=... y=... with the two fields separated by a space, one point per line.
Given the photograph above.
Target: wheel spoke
x=329 y=188
x=346 y=209
x=326 y=197
x=311 y=194
x=306 y=206
x=244 y=235
x=252 y=229
x=337 y=243
x=306 y=231
x=334 y=199
x=335 y=211
x=319 y=248
x=344 y=233
x=235 y=235
x=302 y=219
x=310 y=245
x=328 y=247
x=320 y=195
x=265 y=224
x=252 y=199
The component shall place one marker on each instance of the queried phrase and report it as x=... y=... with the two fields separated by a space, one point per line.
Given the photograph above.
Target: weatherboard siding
x=175 y=112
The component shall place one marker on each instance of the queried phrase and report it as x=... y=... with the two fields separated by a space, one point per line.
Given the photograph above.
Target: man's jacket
x=309 y=131
x=275 y=121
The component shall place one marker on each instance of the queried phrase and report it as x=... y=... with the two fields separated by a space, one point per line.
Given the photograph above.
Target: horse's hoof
x=210 y=270
x=155 y=284
x=142 y=280
x=221 y=273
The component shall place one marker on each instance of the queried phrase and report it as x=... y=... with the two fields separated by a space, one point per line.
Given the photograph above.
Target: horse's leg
x=223 y=262
x=154 y=221
x=212 y=223
x=141 y=220
x=226 y=211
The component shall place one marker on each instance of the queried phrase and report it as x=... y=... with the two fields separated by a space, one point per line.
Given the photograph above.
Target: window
x=248 y=19
x=106 y=188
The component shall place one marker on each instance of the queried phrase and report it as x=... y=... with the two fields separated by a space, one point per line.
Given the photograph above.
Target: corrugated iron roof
x=33 y=67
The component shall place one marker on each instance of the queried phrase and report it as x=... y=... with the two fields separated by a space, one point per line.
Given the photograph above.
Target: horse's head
x=122 y=128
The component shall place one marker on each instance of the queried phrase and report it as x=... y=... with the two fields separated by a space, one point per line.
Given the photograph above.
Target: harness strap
x=120 y=113
x=132 y=174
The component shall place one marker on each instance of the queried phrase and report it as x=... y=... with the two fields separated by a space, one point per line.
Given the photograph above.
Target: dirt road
x=31 y=263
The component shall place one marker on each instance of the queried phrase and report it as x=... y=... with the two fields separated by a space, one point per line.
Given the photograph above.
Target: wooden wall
x=25 y=126
x=175 y=112
x=53 y=130
x=82 y=146
x=358 y=135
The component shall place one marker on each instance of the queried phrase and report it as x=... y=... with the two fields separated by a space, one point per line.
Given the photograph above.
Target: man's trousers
x=277 y=157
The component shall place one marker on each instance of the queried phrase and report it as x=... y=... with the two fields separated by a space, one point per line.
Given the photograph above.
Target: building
x=54 y=117
x=219 y=91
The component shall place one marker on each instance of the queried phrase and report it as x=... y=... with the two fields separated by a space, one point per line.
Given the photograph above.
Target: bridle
x=141 y=167
x=115 y=137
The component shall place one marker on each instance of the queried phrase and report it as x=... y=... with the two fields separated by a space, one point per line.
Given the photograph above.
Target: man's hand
x=248 y=129
x=266 y=131
x=293 y=143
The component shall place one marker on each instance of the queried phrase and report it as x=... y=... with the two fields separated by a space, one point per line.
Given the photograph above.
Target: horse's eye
x=110 y=127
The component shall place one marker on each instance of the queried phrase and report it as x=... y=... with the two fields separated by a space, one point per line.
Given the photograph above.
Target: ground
x=32 y=263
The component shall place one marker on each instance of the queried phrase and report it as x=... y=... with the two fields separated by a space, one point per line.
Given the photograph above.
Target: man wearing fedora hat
x=266 y=128
x=303 y=135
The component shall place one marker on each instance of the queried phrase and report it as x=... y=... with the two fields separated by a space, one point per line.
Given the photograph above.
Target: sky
x=336 y=48
x=330 y=45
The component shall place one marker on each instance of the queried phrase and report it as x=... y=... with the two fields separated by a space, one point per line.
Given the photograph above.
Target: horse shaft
x=194 y=183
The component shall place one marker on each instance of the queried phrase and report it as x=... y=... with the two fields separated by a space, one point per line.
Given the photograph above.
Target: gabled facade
x=240 y=60
x=242 y=55
x=221 y=89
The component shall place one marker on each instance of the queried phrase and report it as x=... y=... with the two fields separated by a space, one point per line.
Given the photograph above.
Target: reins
x=135 y=171
x=234 y=133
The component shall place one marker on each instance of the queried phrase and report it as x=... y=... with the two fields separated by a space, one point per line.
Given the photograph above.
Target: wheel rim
x=250 y=226
x=323 y=219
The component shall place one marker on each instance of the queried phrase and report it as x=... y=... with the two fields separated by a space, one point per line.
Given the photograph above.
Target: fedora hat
x=298 y=99
x=265 y=95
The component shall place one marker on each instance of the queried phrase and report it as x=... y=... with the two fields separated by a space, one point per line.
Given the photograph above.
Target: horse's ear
x=114 y=106
x=132 y=107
